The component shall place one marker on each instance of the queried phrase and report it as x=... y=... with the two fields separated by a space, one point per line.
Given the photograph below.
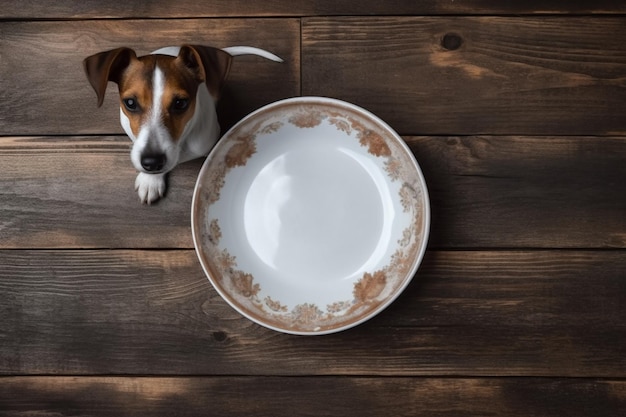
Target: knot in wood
x=219 y=336
x=451 y=41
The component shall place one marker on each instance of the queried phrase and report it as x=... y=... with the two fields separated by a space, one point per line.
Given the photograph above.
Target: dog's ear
x=210 y=64
x=107 y=66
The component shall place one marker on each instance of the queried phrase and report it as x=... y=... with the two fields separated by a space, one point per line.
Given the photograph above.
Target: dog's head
x=158 y=96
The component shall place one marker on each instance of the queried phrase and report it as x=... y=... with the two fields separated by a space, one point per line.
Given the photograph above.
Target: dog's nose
x=153 y=162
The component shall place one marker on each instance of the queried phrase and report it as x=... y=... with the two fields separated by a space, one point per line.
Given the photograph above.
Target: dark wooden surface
x=516 y=112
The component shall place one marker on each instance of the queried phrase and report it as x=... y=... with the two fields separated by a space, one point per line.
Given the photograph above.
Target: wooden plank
x=275 y=396
x=41 y=72
x=79 y=192
x=531 y=313
x=512 y=192
x=473 y=75
x=98 y=9
x=550 y=192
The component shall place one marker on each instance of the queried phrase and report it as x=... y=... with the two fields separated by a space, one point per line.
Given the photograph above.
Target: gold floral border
x=373 y=288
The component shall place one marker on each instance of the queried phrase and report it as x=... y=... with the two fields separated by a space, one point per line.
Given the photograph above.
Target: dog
x=167 y=104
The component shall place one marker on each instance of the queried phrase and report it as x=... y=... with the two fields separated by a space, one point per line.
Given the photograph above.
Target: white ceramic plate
x=310 y=216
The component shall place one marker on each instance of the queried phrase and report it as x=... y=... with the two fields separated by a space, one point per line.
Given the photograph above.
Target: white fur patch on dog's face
x=153 y=137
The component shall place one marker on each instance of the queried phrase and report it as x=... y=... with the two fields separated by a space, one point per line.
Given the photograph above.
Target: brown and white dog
x=167 y=104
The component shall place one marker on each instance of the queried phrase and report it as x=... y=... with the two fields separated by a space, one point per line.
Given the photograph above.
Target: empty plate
x=310 y=216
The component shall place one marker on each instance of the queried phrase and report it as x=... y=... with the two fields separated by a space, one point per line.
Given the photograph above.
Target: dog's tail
x=251 y=50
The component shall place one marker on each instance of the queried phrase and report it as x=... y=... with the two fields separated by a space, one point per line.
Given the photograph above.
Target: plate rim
x=426 y=215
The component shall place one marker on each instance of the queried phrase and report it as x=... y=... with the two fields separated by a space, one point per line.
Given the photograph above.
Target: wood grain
x=232 y=396
x=86 y=9
x=486 y=313
x=79 y=192
x=473 y=75
x=550 y=192
x=42 y=78
x=486 y=192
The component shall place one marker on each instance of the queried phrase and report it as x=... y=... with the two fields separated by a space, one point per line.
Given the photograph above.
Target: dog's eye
x=131 y=104
x=179 y=105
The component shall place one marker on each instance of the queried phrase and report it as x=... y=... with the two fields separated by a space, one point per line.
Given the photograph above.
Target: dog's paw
x=150 y=187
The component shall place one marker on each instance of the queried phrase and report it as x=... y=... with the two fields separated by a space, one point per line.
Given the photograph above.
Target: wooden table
x=516 y=112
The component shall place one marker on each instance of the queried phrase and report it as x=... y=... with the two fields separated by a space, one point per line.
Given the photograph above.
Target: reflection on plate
x=310 y=216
